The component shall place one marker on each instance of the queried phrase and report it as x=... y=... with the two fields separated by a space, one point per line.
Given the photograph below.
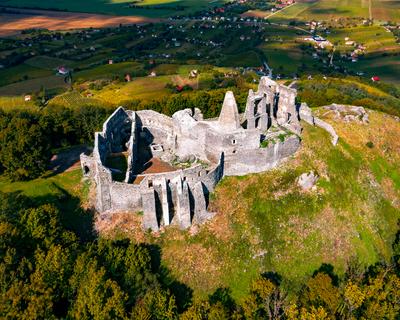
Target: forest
x=53 y=269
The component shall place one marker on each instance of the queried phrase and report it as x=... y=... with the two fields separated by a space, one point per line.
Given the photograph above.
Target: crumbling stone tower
x=272 y=105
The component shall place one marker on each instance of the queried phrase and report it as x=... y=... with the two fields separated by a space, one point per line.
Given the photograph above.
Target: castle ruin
x=170 y=165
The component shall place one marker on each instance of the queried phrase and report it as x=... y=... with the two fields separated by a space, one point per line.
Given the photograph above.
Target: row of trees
x=51 y=271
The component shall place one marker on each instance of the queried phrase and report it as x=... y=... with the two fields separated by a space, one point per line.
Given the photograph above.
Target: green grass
x=383 y=169
x=246 y=59
x=118 y=7
x=287 y=58
x=110 y=71
x=292 y=13
x=73 y=99
x=12 y=103
x=33 y=85
x=386 y=67
x=22 y=72
x=45 y=187
x=324 y=10
x=140 y=88
x=374 y=38
x=382 y=10
x=48 y=63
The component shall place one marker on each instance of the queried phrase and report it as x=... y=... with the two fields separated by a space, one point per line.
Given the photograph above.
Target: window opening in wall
x=86 y=170
x=150 y=183
x=234 y=141
x=234 y=151
x=199 y=173
x=184 y=178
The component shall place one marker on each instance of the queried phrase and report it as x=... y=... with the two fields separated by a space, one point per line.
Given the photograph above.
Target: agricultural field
x=146 y=8
x=15 y=102
x=73 y=99
x=381 y=53
x=386 y=10
x=110 y=71
x=288 y=59
x=386 y=67
x=324 y=10
x=148 y=88
x=22 y=72
x=33 y=85
x=374 y=38
x=48 y=63
x=15 y=22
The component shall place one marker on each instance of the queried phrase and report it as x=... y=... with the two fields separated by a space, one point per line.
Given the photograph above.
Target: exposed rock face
x=348 y=113
x=193 y=154
x=307 y=180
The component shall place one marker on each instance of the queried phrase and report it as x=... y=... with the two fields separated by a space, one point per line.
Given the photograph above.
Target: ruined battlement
x=169 y=165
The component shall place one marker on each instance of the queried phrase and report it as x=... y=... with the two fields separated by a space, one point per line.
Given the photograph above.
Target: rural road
x=274 y=13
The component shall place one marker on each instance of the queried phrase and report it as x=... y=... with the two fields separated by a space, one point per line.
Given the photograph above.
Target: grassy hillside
x=265 y=223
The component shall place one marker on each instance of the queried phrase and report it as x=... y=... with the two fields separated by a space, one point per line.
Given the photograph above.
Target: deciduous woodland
x=52 y=268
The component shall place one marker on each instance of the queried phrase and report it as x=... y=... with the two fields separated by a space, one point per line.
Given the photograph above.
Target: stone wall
x=327 y=127
x=159 y=126
x=262 y=159
x=133 y=155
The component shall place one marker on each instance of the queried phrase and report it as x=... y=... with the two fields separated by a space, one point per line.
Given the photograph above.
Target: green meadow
x=319 y=10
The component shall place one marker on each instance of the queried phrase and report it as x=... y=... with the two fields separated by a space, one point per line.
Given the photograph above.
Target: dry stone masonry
x=172 y=164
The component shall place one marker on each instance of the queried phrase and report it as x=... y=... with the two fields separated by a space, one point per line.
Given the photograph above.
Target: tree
x=97 y=297
x=319 y=291
x=24 y=149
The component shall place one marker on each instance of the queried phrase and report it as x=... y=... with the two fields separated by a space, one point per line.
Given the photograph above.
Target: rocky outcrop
x=348 y=113
x=307 y=180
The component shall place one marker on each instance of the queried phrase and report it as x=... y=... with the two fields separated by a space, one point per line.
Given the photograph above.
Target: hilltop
x=265 y=222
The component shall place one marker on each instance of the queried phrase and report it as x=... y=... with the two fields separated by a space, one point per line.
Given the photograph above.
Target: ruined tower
x=229 y=116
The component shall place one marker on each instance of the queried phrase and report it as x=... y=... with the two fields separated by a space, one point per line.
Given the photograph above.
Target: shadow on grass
x=73 y=217
x=181 y=291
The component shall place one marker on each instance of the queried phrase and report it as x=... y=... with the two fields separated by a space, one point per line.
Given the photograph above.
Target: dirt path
x=279 y=11
x=13 y=21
